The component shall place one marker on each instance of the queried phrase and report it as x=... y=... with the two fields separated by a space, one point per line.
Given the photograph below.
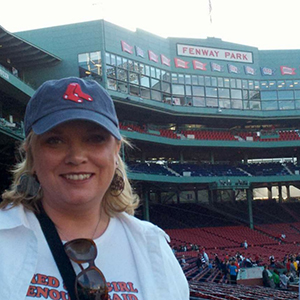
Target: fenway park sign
x=214 y=53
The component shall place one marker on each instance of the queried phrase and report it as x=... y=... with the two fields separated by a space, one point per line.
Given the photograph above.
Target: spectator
x=265 y=277
x=284 y=280
x=205 y=257
x=275 y=277
x=233 y=272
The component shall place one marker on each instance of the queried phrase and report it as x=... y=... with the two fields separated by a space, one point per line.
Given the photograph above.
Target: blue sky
x=266 y=24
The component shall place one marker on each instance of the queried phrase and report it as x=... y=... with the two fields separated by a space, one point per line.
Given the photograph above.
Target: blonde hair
x=127 y=201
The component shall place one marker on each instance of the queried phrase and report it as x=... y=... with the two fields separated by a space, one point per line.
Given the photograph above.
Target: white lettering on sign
x=214 y=53
x=4 y=74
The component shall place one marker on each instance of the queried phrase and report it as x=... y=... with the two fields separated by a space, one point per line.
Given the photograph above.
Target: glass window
x=285 y=95
x=289 y=84
x=256 y=85
x=136 y=67
x=147 y=70
x=134 y=90
x=155 y=95
x=236 y=94
x=122 y=74
x=268 y=95
x=122 y=87
x=264 y=85
x=167 y=77
x=224 y=93
x=180 y=78
x=255 y=95
x=220 y=82
x=226 y=82
x=211 y=92
x=153 y=73
x=158 y=73
x=245 y=84
x=194 y=79
x=142 y=69
x=125 y=63
x=155 y=84
x=134 y=78
x=113 y=59
x=245 y=94
x=297 y=104
x=177 y=89
x=251 y=84
x=272 y=84
x=236 y=104
x=198 y=90
x=297 y=94
x=239 y=83
x=297 y=84
x=232 y=83
x=252 y=105
x=201 y=80
x=112 y=84
x=145 y=93
x=212 y=102
x=110 y=71
x=281 y=84
x=224 y=103
x=269 y=105
x=174 y=78
x=188 y=90
x=200 y=101
x=162 y=74
x=107 y=58
x=213 y=81
x=188 y=79
x=207 y=81
x=285 y=105
x=166 y=87
x=145 y=81
x=119 y=61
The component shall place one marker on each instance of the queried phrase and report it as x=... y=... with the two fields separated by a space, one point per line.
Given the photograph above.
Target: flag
x=198 y=65
x=126 y=47
x=287 y=70
x=165 y=60
x=179 y=63
x=210 y=10
x=152 y=56
x=139 y=51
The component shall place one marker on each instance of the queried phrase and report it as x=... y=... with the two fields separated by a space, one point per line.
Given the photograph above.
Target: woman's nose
x=76 y=154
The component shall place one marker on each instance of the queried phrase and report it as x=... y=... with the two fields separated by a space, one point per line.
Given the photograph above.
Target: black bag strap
x=57 y=248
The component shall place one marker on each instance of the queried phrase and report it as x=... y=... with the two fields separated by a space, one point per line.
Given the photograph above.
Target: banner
x=198 y=65
x=179 y=63
x=126 y=47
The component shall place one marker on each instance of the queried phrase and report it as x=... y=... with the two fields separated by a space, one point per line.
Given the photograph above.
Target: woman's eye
x=53 y=140
x=97 y=138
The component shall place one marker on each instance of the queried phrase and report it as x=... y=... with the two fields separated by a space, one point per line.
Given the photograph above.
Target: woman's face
x=75 y=163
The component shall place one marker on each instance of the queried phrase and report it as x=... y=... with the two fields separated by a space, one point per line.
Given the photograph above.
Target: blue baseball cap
x=67 y=99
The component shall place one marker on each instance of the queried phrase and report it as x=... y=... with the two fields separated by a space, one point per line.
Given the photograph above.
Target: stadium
x=214 y=127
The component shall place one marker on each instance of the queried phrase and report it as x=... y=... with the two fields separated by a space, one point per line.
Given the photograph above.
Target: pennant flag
x=198 y=65
x=126 y=47
x=233 y=69
x=267 y=71
x=287 y=70
x=179 y=63
x=164 y=60
x=139 y=52
x=152 y=56
x=216 y=67
x=249 y=70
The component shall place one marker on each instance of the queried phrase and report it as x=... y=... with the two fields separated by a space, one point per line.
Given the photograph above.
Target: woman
x=73 y=177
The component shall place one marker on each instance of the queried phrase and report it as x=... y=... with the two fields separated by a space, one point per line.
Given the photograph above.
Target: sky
x=265 y=24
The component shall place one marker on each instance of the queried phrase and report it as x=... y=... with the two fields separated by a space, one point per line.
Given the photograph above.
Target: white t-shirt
x=114 y=259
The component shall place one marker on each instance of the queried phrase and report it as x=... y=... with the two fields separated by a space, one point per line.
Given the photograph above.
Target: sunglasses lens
x=81 y=250
x=92 y=285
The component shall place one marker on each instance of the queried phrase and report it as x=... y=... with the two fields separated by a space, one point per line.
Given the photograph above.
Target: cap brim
x=52 y=120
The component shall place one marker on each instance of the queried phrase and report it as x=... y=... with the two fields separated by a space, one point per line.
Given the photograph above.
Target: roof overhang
x=20 y=54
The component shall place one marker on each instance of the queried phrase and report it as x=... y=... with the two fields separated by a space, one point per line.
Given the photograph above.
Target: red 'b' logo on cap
x=74 y=93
